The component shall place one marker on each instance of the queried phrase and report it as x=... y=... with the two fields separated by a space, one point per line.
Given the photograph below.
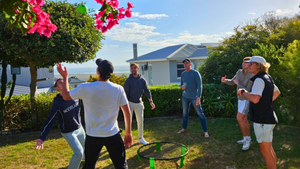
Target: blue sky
x=159 y=23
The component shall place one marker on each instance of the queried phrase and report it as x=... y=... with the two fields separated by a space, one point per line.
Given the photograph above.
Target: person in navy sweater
x=68 y=113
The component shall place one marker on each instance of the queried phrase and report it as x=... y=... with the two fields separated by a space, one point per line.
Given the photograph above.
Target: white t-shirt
x=102 y=101
x=258 y=87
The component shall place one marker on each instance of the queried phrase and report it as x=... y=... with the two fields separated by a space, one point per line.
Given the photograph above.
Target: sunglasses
x=251 y=63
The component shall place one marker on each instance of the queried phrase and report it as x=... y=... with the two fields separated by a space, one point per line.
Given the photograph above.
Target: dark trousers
x=114 y=146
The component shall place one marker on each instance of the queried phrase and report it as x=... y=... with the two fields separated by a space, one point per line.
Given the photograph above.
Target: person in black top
x=68 y=113
x=263 y=93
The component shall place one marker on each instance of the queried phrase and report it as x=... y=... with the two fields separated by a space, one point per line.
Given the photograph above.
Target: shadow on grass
x=9 y=140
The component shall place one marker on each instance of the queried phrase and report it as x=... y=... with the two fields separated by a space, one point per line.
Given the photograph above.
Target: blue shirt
x=193 y=82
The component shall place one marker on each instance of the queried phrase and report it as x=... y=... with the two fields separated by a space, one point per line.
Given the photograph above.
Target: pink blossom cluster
x=43 y=24
x=109 y=18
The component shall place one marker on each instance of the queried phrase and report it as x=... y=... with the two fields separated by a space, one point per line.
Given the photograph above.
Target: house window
x=16 y=70
x=180 y=69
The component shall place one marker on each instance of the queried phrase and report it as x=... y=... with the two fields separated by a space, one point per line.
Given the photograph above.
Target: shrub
x=114 y=78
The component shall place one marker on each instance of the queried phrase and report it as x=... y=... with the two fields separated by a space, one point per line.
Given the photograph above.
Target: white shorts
x=263 y=132
x=243 y=106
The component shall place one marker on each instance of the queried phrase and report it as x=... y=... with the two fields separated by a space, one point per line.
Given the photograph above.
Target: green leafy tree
x=76 y=40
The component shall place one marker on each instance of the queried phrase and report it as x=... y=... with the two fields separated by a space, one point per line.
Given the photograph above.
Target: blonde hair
x=134 y=64
x=263 y=68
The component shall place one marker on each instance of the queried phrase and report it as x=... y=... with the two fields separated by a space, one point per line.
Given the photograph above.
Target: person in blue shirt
x=68 y=113
x=191 y=86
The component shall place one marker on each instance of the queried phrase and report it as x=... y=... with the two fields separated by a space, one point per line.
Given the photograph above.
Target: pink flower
x=99 y=22
x=47 y=33
x=40 y=2
x=110 y=24
x=100 y=1
x=52 y=27
x=110 y=16
x=43 y=15
x=121 y=9
x=128 y=13
x=32 y=29
x=100 y=14
x=37 y=9
x=129 y=5
x=121 y=16
x=113 y=3
x=103 y=29
x=40 y=29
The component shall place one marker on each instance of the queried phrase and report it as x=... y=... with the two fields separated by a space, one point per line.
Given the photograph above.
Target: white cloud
x=132 y=32
x=109 y=47
x=252 y=13
x=146 y=36
x=149 y=16
x=229 y=33
x=286 y=12
x=184 y=37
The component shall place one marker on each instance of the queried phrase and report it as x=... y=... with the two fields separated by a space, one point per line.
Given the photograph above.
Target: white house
x=45 y=79
x=164 y=66
x=74 y=82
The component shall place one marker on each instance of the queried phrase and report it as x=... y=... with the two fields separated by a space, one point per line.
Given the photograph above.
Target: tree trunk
x=33 y=83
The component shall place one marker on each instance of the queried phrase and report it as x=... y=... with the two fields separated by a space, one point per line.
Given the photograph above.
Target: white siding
x=161 y=73
x=24 y=78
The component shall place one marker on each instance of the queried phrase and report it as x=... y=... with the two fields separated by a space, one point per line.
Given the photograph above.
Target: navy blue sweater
x=134 y=88
x=68 y=113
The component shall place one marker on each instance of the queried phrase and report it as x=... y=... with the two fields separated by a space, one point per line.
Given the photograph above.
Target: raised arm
x=65 y=88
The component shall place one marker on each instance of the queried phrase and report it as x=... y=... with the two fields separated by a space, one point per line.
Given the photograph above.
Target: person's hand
x=152 y=105
x=62 y=70
x=236 y=81
x=198 y=100
x=127 y=140
x=183 y=87
x=223 y=79
x=39 y=144
x=239 y=93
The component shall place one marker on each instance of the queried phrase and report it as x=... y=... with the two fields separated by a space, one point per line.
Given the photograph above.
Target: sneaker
x=143 y=141
x=240 y=141
x=246 y=145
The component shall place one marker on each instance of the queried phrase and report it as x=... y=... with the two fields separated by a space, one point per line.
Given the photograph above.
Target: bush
x=19 y=114
x=114 y=78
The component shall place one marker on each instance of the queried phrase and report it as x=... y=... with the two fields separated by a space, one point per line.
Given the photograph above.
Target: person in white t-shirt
x=102 y=100
x=263 y=93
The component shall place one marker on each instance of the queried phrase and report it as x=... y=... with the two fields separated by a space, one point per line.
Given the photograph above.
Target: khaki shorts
x=243 y=106
x=263 y=132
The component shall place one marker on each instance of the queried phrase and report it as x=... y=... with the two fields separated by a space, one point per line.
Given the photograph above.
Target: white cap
x=258 y=59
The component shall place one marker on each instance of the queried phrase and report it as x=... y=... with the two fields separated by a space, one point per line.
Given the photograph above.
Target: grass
x=218 y=151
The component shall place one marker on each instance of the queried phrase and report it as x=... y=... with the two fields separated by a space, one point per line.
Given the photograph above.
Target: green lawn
x=218 y=151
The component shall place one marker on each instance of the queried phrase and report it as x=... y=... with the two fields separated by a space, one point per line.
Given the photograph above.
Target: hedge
x=217 y=101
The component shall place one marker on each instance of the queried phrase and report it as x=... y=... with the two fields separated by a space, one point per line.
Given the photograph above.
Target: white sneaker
x=246 y=145
x=143 y=141
x=240 y=141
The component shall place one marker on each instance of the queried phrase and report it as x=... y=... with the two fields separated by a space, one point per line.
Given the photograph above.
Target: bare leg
x=267 y=151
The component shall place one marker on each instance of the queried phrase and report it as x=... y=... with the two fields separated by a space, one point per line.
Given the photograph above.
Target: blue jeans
x=186 y=102
x=76 y=141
